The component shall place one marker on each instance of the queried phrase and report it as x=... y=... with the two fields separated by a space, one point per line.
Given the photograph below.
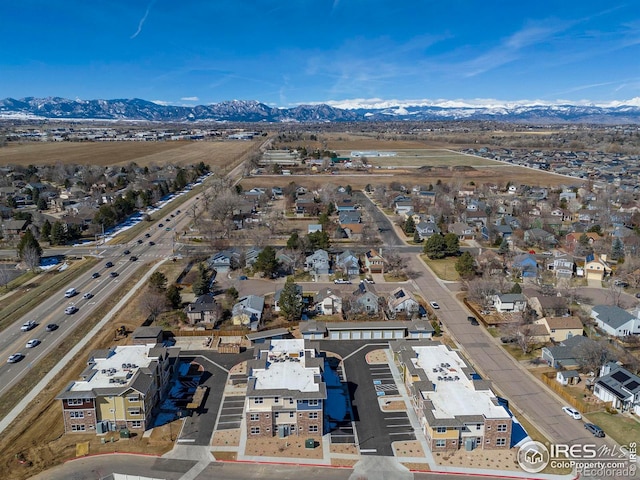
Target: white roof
x=110 y=372
x=286 y=368
x=453 y=397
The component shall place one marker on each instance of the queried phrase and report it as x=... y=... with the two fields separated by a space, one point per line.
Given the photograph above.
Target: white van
x=70 y=293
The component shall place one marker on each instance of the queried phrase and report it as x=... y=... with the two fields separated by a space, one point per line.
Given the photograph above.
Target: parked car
x=572 y=412
x=87 y=295
x=341 y=281
x=595 y=429
x=95 y=275
x=508 y=339
x=71 y=309
x=621 y=283
x=15 y=358
x=473 y=320
x=108 y=264
x=34 y=342
x=369 y=280
x=51 y=327
x=434 y=305
x=30 y=325
x=243 y=277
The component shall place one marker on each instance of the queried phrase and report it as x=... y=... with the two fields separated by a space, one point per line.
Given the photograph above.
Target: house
x=402 y=300
x=562 y=328
x=203 y=309
x=527 y=264
x=349 y=217
x=510 y=302
x=426 y=229
x=14 y=227
x=538 y=236
x=327 y=303
x=264 y=335
x=348 y=263
x=618 y=386
x=573 y=239
x=318 y=262
x=251 y=255
x=563 y=266
x=146 y=335
x=286 y=392
x=374 y=262
x=462 y=230
x=596 y=267
x=224 y=261
x=314 y=227
x=121 y=388
x=567 y=377
x=365 y=299
x=454 y=407
x=403 y=207
x=345 y=204
x=565 y=355
x=248 y=311
x=615 y=321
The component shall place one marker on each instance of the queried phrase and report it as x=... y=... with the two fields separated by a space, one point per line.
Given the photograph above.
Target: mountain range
x=253 y=111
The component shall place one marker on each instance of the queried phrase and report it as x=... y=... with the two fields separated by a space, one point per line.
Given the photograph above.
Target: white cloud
x=143 y=19
x=164 y=103
x=189 y=99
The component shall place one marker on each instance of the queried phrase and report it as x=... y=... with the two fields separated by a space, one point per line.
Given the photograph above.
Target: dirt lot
x=216 y=153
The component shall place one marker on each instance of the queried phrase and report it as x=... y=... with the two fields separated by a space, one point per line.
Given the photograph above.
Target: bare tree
x=395 y=263
x=592 y=355
x=614 y=294
x=153 y=304
x=31 y=257
x=5 y=277
x=481 y=291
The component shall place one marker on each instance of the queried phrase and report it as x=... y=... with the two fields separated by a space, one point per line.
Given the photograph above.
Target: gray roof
x=610 y=315
x=620 y=382
x=511 y=297
x=267 y=333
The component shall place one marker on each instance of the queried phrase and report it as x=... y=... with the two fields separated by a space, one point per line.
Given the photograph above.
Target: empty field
x=423 y=158
x=123 y=153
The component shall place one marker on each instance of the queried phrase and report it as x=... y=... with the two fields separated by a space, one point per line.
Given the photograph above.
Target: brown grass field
x=122 y=153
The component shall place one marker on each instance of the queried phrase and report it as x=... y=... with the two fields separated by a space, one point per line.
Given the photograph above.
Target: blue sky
x=343 y=52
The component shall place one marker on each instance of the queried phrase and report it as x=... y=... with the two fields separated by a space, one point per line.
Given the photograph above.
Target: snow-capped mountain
x=253 y=111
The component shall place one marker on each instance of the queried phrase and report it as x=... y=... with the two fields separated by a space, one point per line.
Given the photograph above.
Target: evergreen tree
x=291 y=300
x=617 y=249
x=58 y=235
x=504 y=247
x=28 y=241
x=451 y=244
x=266 y=261
x=45 y=231
x=416 y=237
x=434 y=246
x=516 y=288
x=409 y=226
x=465 y=265
x=201 y=285
x=158 y=281
x=294 y=241
x=318 y=240
x=173 y=296
x=42 y=204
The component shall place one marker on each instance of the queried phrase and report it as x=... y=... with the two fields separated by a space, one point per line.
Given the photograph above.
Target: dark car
x=161 y=225
x=473 y=320
x=139 y=242
x=508 y=339
x=151 y=244
x=133 y=258
x=146 y=235
x=114 y=274
x=109 y=264
x=126 y=252
x=51 y=327
x=595 y=429
x=95 y=275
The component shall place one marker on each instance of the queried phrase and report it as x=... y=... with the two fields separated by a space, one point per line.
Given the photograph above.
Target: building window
x=441 y=429
x=502 y=427
x=258 y=400
x=133 y=411
x=313 y=403
x=136 y=424
x=76 y=414
x=133 y=398
x=254 y=416
x=292 y=414
x=313 y=428
x=313 y=414
x=291 y=401
x=255 y=430
x=77 y=428
x=276 y=414
x=501 y=442
x=478 y=427
x=74 y=402
x=276 y=400
x=441 y=443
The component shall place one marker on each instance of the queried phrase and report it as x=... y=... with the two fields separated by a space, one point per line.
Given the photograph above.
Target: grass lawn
x=619 y=427
x=445 y=268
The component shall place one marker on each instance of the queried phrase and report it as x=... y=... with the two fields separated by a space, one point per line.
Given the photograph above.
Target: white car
x=87 y=295
x=434 y=305
x=341 y=281
x=30 y=325
x=15 y=358
x=33 y=343
x=572 y=412
x=71 y=310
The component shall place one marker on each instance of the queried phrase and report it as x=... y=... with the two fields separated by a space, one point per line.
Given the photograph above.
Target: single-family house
x=403 y=207
x=538 y=236
x=596 y=267
x=562 y=328
x=365 y=299
x=565 y=355
x=204 y=309
x=374 y=262
x=327 y=302
x=345 y=204
x=563 y=266
x=527 y=264
x=510 y=302
x=349 y=217
x=615 y=321
x=348 y=263
x=618 y=386
x=318 y=262
x=462 y=230
x=248 y=311
x=426 y=229
x=402 y=300
x=224 y=261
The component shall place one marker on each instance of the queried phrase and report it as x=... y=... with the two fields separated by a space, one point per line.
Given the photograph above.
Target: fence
x=208 y=333
x=585 y=407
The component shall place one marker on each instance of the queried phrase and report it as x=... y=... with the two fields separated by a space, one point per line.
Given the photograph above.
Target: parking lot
x=230 y=413
x=383 y=380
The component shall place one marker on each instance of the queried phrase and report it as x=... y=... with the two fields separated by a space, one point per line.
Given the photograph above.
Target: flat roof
x=286 y=368
x=454 y=394
x=117 y=368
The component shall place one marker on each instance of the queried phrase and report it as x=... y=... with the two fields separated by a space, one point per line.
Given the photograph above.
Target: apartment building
x=456 y=409
x=120 y=389
x=285 y=389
